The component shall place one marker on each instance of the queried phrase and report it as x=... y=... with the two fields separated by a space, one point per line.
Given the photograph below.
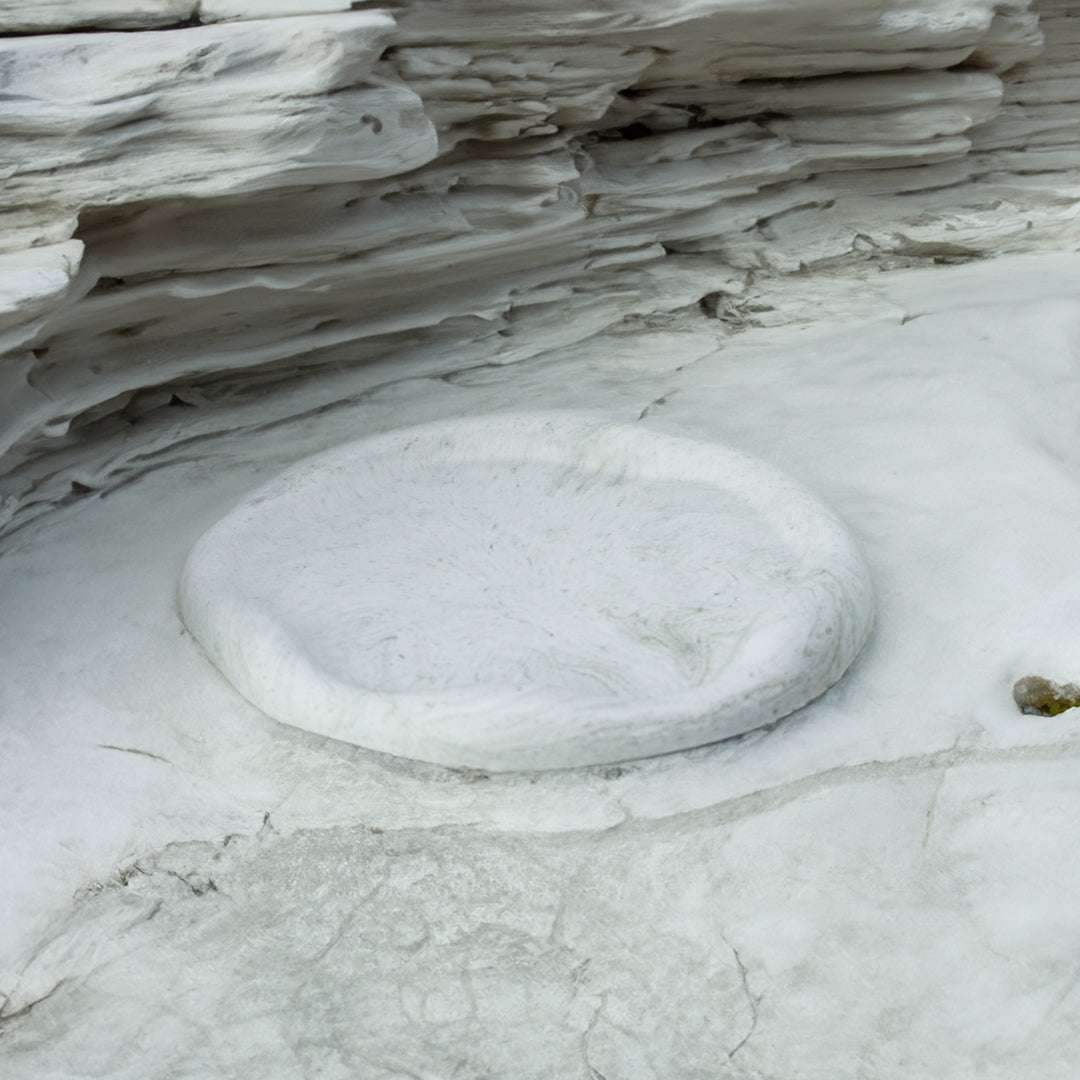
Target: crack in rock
x=752 y=1001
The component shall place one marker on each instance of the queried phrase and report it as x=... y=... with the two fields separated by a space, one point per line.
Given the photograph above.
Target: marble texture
x=458 y=953
x=838 y=235
x=883 y=882
x=531 y=591
x=535 y=177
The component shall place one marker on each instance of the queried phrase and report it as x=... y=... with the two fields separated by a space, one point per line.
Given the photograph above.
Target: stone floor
x=882 y=885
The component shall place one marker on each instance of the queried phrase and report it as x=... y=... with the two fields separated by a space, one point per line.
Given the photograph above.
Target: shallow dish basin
x=528 y=592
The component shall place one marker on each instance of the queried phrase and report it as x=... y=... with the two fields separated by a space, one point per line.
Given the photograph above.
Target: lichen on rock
x=1038 y=696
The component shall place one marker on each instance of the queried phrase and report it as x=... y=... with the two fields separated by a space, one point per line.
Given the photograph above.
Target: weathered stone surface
x=675 y=214
x=535 y=591
x=910 y=823
x=494 y=179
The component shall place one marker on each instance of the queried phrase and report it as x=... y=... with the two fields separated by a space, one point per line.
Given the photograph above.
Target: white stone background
x=883 y=885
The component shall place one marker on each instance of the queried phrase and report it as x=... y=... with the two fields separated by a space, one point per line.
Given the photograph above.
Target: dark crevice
x=193 y=20
x=133 y=750
x=186 y=24
x=106 y=284
x=633 y=131
x=25 y=1010
x=697 y=119
x=710 y=304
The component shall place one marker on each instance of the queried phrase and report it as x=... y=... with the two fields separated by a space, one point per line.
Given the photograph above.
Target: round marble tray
x=528 y=592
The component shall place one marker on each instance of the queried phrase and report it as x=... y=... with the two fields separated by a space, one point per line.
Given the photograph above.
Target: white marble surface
x=491 y=180
x=529 y=591
x=884 y=882
x=741 y=220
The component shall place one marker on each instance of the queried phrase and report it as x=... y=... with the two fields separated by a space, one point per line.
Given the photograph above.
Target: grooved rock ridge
x=247 y=193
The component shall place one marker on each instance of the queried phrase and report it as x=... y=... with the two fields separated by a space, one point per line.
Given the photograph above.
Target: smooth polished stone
x=529 y=592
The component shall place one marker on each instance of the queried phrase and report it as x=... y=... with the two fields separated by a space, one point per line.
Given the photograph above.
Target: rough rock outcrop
x=248 y=192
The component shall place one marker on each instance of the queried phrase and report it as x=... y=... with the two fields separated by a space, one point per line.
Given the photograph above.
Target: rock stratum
x=210 y=205
x=237 y=235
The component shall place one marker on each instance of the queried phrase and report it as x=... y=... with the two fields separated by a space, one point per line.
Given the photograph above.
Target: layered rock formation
x=248 y=198
x=235 y=234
